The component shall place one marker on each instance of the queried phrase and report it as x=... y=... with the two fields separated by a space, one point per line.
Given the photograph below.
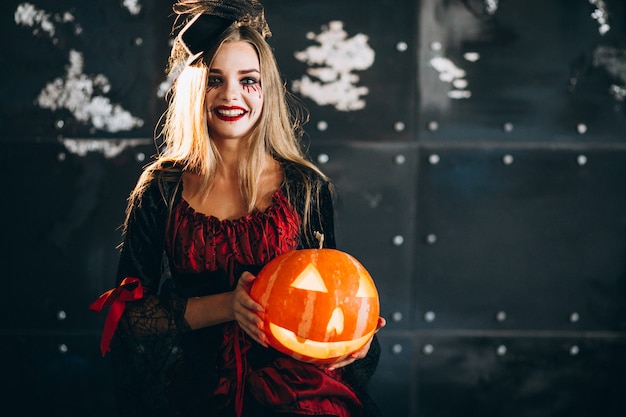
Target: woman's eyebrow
x=245 y=71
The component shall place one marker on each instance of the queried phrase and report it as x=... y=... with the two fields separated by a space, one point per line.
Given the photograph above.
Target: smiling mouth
x=229 y=114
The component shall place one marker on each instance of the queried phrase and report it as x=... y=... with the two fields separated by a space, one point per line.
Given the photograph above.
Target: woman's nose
x=231 y=90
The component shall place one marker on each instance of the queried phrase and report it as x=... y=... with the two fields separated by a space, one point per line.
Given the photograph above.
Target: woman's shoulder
x=298 y=172
x=158 y=181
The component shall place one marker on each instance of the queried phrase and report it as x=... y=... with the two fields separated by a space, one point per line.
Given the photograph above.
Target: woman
x=229 y=191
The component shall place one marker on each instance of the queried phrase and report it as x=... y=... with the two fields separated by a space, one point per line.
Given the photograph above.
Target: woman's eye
x=249 y=81
x=213 y=81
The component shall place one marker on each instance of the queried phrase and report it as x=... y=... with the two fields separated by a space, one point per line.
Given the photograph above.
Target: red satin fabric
x=199 y=243
x=234 y=367
x=130 y=289
x=287 y=385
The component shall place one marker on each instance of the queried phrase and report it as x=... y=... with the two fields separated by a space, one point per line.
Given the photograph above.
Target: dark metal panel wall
x=62 y=215
x=477 y=148
x=522 y=70
x=535 y=235
x=375 y=223
x=82 y=69
x=520 y=283
x=365 y=51
x=535 y=376
x=519 y=263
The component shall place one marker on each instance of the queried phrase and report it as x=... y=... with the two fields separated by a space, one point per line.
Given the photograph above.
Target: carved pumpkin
x=320 y=304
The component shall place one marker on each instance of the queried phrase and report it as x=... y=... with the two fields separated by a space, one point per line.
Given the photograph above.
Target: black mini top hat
x=210 y=18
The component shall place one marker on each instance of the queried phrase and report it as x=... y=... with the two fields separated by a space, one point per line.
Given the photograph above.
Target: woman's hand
x=247 y=312
x=361 y=353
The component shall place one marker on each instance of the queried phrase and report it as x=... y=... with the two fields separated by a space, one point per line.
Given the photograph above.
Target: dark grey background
x=494 y=226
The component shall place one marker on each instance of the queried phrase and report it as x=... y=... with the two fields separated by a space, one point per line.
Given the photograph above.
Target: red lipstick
x=229 y=113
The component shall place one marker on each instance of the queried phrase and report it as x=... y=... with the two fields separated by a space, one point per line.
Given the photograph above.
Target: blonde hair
x=186 y=137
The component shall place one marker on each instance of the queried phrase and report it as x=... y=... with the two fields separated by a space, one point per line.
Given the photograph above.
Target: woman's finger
x=242 y=292
x=381 y=323
x=245 y=280
x=361 y=353
x=253 y=326
x=248 y=313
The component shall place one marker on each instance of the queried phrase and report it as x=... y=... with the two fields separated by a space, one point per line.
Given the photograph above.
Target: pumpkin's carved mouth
x=316 y=349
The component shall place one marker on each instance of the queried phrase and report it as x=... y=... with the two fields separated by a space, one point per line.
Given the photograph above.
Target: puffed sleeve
x=159 y=312
x=149 y=332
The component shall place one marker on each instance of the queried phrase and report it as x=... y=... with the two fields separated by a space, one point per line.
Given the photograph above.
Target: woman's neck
x=231 y=155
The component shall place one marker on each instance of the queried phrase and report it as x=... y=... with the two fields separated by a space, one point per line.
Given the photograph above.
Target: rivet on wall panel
x=501 y=316
x=323 y=158
x=399 y=126
x=402 y=46
x=581 y=128
x=396 y=349
x=396 y=316
x=428 y=349
x=138 y=41
x=507 y=127
x=501 y=351
x=429 y=316
x=431 y=238
x=63 y=348
x=574 y=350
x=399 y=159
x=574 y=317
x=322 y=126
x=582 y=160
x=507 y=159
x=436 y=46
x=433 y=125
x=61 y=156
x=434 y=159
x=61 y=315
x=398 y=240
x=59 y=124
x=140 y=157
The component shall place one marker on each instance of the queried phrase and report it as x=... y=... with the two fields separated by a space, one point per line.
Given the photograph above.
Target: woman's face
x=234 y=96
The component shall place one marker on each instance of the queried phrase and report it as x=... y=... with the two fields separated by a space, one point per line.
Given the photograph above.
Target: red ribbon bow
x=130 y=289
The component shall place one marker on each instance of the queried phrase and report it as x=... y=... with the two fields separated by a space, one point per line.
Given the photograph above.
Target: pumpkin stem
x=320 y=238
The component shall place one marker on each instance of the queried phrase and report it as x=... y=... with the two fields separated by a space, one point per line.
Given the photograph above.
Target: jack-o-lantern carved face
x=320 y=304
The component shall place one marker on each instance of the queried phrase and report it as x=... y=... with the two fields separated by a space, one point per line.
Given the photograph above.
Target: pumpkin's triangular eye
x=366 y=287
x=310 y=279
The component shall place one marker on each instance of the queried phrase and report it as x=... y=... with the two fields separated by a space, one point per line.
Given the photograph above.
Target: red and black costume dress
x=163 y=368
